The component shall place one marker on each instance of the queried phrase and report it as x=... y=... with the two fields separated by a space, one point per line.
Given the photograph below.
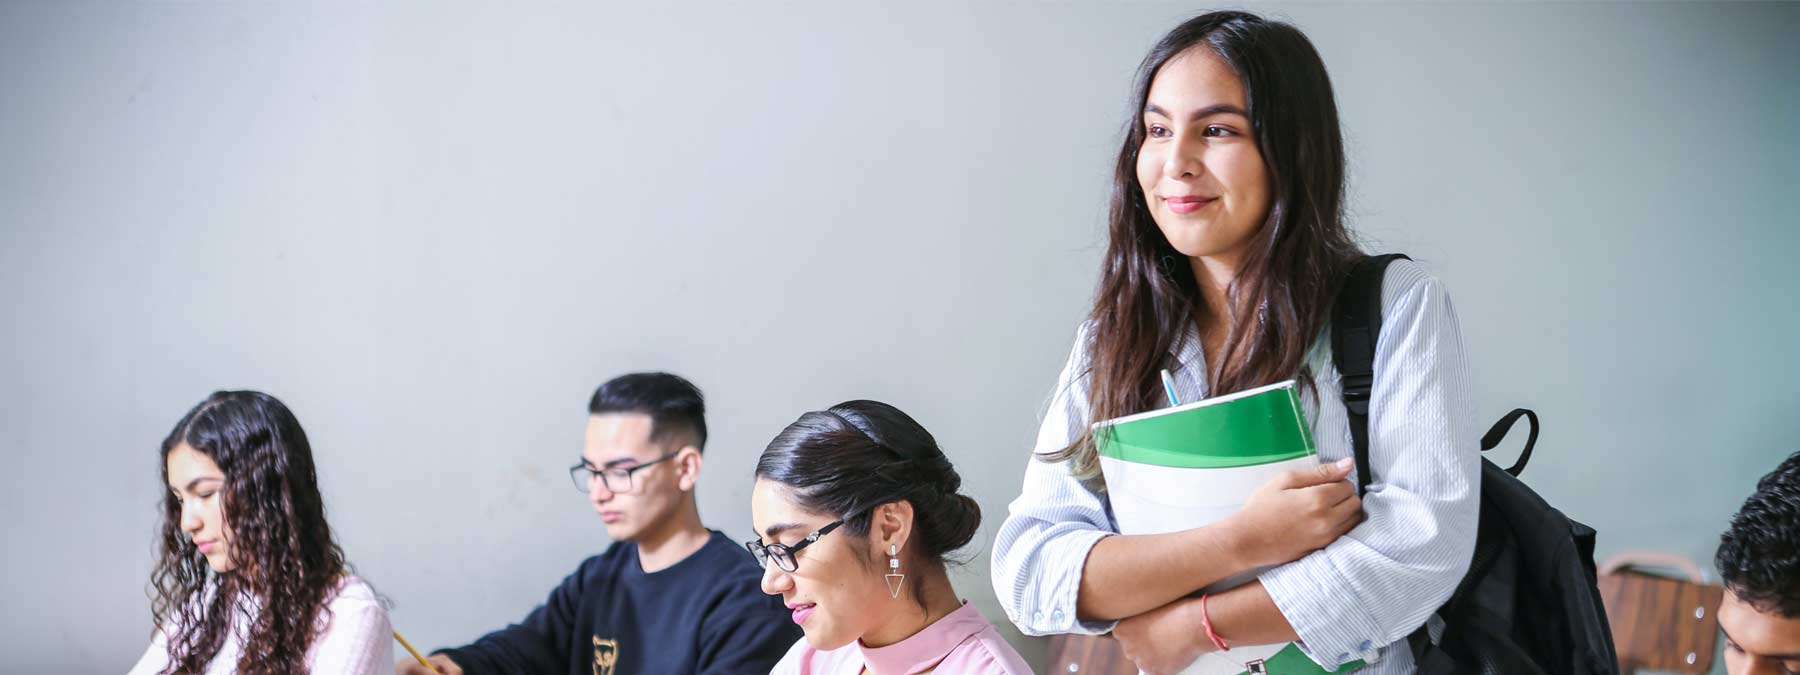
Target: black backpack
x=1529 y=604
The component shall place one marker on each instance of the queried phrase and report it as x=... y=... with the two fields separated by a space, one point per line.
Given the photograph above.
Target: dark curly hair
x=282 y=549
x=858 y=455
x=1759 y=555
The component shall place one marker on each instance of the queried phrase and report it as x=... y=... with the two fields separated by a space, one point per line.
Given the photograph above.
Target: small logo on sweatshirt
x=606 y=653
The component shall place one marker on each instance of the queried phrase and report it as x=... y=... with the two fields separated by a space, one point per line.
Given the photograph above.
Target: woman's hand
x=1165 y=639
x=1296 y=513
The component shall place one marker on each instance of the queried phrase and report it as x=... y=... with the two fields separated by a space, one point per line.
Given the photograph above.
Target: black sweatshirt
x=705 y=614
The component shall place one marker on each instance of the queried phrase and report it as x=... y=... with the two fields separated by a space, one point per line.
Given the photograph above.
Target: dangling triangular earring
x=894 y=577
x=894 y=581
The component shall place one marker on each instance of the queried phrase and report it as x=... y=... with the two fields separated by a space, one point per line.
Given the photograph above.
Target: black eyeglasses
x=782 y=554
x=617 y=479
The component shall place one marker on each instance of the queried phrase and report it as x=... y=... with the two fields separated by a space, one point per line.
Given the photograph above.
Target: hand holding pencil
x=437 y=664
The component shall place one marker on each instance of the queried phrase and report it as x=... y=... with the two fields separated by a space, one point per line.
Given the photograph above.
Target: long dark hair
x=282 y=549
x=1147 y=297
x=857 y=455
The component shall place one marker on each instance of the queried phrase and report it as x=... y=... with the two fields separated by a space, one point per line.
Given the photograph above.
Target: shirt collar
x=927 y=647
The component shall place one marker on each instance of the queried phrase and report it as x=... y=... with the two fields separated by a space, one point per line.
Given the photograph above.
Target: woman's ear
x=690 y=460
x=892 y=526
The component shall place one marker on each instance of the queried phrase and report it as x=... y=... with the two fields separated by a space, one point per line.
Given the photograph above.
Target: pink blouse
x=961 y=642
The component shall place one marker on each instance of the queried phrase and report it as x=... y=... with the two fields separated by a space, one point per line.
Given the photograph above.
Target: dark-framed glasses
x=782 y=554
x=617 y=479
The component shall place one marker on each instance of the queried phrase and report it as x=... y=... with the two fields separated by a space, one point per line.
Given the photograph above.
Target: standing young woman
x=250 y=580
x=856 y=508
x=1227 y=247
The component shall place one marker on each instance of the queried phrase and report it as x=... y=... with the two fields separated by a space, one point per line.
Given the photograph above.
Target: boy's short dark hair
x=1759 y=555
x=675 y=406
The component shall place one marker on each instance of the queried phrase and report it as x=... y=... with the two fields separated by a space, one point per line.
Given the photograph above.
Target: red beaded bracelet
x=1207 y=622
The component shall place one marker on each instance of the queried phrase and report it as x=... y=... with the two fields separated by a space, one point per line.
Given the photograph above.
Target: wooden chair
x=1660 y=623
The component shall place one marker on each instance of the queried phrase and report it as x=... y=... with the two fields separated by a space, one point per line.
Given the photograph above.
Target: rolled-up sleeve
x=1056 y=520
x=1375 y=585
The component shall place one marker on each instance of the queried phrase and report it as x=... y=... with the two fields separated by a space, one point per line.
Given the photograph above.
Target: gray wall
x=433 y=228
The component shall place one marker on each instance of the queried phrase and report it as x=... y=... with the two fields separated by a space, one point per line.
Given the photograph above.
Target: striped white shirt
x=1357 y=598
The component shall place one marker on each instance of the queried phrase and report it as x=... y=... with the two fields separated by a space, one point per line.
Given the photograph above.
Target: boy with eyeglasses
x=669 y=595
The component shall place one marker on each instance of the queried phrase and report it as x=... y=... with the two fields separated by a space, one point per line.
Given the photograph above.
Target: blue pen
x=1169 y=388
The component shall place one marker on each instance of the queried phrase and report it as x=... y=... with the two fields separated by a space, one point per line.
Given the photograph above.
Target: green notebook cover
x=1256 y=426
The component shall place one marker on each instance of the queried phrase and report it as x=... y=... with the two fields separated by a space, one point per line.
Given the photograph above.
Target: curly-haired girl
x=250 y=580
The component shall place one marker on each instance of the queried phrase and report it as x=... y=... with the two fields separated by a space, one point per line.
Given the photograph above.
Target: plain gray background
x=433 y=228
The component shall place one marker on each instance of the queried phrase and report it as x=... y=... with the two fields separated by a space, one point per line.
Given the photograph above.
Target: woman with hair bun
x=856 y=508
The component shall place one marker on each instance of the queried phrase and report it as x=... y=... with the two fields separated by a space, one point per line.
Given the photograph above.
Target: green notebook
x=1191 y=465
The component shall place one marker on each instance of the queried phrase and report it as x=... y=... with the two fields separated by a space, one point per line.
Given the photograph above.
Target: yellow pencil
x=415 y=654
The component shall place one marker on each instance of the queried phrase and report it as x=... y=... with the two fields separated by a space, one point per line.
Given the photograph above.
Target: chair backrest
x=1660 y=623
x=1088 y=655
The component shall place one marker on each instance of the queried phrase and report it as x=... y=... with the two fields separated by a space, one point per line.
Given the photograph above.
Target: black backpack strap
x=1355 y=326
x=1498 y=433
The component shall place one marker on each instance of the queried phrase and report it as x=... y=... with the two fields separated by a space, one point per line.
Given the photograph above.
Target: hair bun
x=858 y=454
x=954 y=522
